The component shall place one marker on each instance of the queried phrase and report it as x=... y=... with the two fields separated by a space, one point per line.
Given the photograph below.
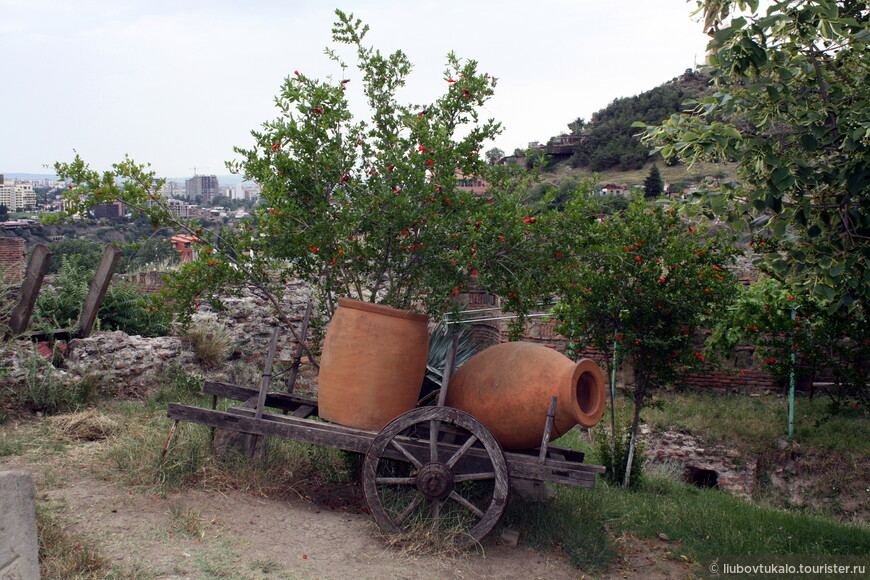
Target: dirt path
x=235 y=535
x=199 y=535
x=195 y=534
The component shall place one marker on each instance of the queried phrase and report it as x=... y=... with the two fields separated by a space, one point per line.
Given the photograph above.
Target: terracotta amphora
x=508 y=388
x=373 y=364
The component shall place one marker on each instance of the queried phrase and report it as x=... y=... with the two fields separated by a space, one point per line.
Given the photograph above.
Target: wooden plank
x=37 y=266
x=267 y=374
x=304 y=411
x=291 y=428
x=274 y=399
x=358 y=440
x=97 y=291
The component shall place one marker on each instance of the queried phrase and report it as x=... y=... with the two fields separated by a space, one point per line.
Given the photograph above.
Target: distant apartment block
x=178 y=208
x=109 y=210
x=203 y=185
x=18 y=196
x=171 y=189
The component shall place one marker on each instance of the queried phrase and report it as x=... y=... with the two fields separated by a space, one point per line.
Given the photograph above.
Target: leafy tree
x=536 y=158
x=366 y=208
x=653 y=186
x=76 y=251
x=577 y=126
x=797 y=337
x=613 y=203
x=493 y=155
x=791 y=108
x=648 y=281
x=4 y=213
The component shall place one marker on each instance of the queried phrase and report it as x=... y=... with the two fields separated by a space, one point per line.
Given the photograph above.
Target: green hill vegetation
x=611 y=151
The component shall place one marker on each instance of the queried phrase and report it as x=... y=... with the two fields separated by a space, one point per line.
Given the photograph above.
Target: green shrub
x=123 y=307
x=613 y=453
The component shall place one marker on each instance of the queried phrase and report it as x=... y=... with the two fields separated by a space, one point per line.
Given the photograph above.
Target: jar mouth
x=587 y=392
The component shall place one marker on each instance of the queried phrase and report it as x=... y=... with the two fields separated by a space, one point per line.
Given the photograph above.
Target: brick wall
x=742 y=376
x=13 y=256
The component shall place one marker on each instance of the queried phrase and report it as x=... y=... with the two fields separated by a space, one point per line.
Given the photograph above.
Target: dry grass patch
x=87 y=425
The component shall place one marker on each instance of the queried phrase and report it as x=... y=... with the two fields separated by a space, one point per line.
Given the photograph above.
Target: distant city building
x=473 y=184
x=247 y=191
x=178 y=208
x=17 y=196
x=171 y=189
x=611 y=188
x=109 y=210
x=205 y=186
x=1 y=179
x=184 y=244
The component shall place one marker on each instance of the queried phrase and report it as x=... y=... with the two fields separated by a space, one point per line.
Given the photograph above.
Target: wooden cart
x=431 y=464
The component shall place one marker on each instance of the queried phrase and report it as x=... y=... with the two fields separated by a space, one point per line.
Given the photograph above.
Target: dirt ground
x=202 y=534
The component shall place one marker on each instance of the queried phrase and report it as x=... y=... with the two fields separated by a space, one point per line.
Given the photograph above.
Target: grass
x=711 y=523
x=573 y=521
x=756 y=424
x=586 y=523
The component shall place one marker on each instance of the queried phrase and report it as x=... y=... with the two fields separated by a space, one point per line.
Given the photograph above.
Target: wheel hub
x=435 y=480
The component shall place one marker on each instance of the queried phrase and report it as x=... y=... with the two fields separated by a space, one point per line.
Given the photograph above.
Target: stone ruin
x=711 y=466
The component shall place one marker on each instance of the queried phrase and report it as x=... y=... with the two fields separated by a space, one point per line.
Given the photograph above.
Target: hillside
x=608 y=144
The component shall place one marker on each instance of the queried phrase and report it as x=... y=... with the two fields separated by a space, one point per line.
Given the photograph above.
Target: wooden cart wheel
x=436 y=467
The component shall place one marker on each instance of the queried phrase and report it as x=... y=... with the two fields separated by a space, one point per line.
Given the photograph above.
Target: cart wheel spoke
x=475 y=476
x=434 y=429
x=435 y=509
x=461 y=451
x=415 y=501
x=466 y=504
x=414 y=461
x=396 y=480
x=464 y=496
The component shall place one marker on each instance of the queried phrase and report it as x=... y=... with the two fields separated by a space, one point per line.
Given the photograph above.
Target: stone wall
x=127 y=362
x=713 y=466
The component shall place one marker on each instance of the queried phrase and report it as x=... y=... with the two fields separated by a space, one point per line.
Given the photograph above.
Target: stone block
x=509 y=537
x=19 y=558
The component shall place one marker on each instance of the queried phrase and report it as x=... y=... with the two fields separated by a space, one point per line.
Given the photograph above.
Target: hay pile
x=84 y=426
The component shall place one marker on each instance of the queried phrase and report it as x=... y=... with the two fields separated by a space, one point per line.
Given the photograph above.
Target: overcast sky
x=178 y=83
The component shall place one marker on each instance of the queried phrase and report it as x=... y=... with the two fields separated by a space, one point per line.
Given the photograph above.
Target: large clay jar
x=373 y=363
x=508 y=388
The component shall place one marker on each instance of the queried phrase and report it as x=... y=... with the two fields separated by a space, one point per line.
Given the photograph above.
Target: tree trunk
x=639 y=394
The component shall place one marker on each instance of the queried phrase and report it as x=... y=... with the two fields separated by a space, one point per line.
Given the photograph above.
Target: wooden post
x=297 y=358
x=97 y=291
x=37 y=266
x=548 y=428
x=264 y=390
